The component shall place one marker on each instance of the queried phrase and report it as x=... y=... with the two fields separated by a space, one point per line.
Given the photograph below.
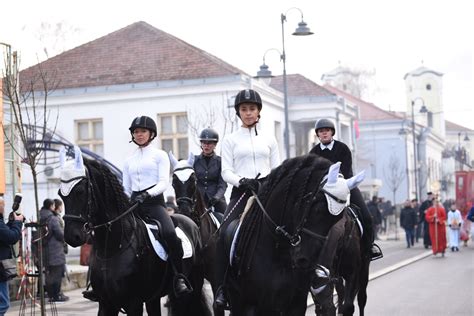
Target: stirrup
x=375 y=252
x=220 y=300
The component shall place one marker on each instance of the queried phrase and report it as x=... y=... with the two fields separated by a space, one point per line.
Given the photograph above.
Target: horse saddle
x=153 y=230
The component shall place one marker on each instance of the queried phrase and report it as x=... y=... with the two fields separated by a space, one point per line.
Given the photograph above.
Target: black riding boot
x=373 y=249
x=220 y=299
x=181 y=284
x=90 y=295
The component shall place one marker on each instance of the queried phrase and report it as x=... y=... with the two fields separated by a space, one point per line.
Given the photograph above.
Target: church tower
x=424 y=86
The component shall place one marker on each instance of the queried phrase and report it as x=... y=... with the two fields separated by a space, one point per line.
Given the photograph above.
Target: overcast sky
x=390 y=37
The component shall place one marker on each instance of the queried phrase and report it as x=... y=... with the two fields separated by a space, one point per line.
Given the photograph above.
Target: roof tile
x=136 y=53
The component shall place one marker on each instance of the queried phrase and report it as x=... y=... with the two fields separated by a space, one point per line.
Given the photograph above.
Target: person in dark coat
x=335 y=151
x=422 y=220
x=54 y=256
x=408 y=221
x=207 y=167
x=10 y=233
x=376 y=215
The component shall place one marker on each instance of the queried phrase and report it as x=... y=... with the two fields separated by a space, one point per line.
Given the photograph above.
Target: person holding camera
x=10 y=233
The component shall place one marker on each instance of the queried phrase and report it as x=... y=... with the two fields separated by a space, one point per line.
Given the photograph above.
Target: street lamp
x=301 y=30
x=423 y=109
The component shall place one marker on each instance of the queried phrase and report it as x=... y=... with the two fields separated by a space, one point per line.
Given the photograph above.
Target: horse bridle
x=295 y=239
x=186 y=199
x=80 y=218
x=88 y=227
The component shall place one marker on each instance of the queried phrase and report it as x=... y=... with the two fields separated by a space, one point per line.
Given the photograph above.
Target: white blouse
x=244 y=155
x=146 y=167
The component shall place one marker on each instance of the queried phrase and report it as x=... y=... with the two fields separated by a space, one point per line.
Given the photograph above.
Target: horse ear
x=191 y=159
x=334 y=172
x=356 y=180
x=173 y=159
x=78 y=161
x=62 y=156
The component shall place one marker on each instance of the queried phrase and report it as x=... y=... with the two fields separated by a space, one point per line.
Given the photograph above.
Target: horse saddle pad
x=234 y=228
x=233 y=231
x=214 y=219
x=153 y=232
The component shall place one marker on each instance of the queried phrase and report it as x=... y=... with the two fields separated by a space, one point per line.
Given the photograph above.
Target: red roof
x=299 y=85
x=136 y=53
x=450 y=126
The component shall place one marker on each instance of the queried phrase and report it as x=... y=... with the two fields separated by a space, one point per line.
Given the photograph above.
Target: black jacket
x=374 y=212
x=209 y=179
x=10 y=233
x=408 y=218
x=339 y=152
x=54 y=241
x=421 y=211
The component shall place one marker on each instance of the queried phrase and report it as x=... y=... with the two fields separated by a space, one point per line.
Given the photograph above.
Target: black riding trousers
x=155 y=208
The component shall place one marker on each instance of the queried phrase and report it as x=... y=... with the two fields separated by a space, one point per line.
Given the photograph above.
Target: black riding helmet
x=143 y=122
x=325 y=123
x=209 y=134
x=247 y=96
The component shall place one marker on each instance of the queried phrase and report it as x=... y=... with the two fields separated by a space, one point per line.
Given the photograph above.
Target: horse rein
x=294 y=239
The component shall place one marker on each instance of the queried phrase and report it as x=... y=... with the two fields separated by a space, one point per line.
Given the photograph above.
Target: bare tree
x=31 y=116
x=209 y=116
x=394 y=175
x=53 y=36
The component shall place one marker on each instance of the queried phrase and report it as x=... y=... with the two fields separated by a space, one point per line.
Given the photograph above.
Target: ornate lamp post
x=301 y=30
x=415 y=152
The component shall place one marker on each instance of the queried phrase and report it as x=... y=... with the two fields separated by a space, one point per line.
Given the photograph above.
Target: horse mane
x=114 y=196
x=293 y=177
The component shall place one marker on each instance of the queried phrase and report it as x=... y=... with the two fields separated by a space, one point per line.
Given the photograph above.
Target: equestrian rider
x=145 y=177
x=247 y=154
x=335 y=151
x=207 y=167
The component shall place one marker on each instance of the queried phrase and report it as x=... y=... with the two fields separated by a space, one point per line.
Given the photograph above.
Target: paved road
x=434 y=286
x=394 y=254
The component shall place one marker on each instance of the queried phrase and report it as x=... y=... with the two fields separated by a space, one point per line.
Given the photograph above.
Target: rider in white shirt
x=247 y=154
x=145 y=177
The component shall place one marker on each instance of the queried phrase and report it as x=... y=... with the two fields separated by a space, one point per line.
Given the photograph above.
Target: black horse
x=191 y=203
x=349 y=269
x=125 y=272
x=280 y=239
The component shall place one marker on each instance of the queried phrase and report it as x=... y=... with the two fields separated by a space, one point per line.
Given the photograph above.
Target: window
x=173 y=134
x=89 y=134
x=430 y=119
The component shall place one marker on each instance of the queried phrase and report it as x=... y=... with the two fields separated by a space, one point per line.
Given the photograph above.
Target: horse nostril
x=302 y=262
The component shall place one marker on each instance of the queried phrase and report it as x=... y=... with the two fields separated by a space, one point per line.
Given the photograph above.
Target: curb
x=401 y=264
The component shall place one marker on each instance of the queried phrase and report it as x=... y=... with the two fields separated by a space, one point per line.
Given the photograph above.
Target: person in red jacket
x=436 y=218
